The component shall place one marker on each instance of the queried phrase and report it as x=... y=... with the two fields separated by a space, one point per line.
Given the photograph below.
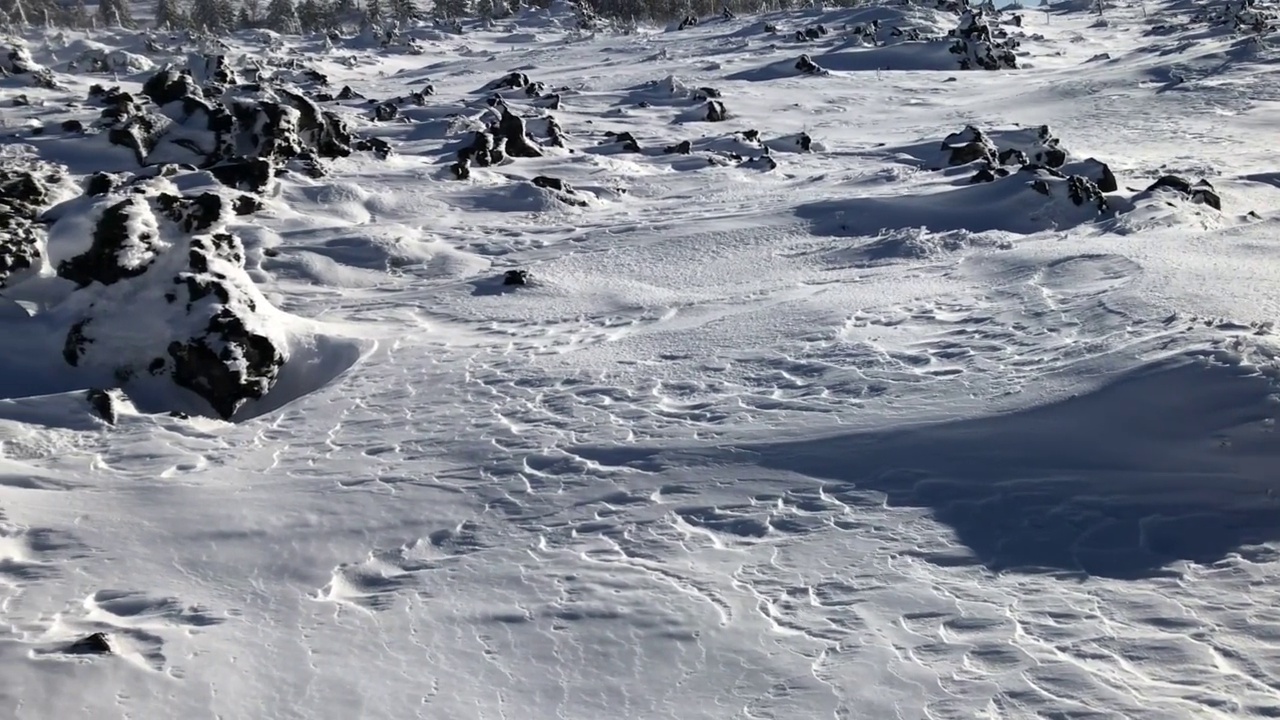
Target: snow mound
x=1025 y=202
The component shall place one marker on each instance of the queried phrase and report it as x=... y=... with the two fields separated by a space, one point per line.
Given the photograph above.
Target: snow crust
x=849 y=436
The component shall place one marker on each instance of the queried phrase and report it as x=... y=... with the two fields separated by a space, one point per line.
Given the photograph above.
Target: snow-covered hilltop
x=902 y=360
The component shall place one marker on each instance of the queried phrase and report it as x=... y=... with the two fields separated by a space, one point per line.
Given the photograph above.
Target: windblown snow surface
x=834 y=433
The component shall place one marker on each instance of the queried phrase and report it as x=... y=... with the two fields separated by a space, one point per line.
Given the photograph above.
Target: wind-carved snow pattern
x=757 y=365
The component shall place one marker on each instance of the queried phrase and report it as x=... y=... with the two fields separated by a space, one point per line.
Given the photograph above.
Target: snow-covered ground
x=788 y=433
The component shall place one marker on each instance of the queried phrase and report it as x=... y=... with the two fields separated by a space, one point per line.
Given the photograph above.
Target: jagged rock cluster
x=1038 y=156
x=243 y=133
x=1245 y=16
x=157 y=285
x=26 y=188
x=982 y=45
x=507 y=137
x=745 y=148
x=165 y=294
x=1038 y=153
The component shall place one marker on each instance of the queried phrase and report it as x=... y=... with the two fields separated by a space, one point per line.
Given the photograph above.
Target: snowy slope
x=802 y=423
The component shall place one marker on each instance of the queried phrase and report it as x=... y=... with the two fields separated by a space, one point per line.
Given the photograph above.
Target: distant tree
x=452 y=9
x=212 y=16
x=167 y=16
x=405 y=11
x=114 y=13
x=373 y=14
x=282 y=17
x=80 y=17
x=309 y=16
x=15 y=14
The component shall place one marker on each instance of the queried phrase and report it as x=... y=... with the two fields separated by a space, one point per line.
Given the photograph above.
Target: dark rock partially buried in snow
x=1080 y=190
x=1001 y=152
x=160 y=273
x=515 y=277
x=104 y=403
x=807 y=66
x=981 y=46
x=1201 y=192
x=26 y=188
x=125 y=241
x=245 y=134
x=95 y=644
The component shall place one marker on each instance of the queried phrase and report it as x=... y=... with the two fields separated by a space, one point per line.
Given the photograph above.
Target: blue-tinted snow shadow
x=1172 y=462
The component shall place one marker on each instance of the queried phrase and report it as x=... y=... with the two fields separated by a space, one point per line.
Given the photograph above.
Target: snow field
x=847 y=438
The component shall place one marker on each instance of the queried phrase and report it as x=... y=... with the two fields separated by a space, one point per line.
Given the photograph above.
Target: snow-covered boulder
x=979 y=45
x=26 y=188
x=18 y=61
x=106 y=60
x=244 y=134
x=162 y=292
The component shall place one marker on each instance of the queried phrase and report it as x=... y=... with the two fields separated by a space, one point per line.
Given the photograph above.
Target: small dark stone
x=683 y=148
x=716 y=111
x=72 y=126
x=985 y=175
x=515 y=277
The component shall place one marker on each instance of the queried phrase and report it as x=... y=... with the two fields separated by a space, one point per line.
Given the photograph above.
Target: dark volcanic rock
x=104 y=403
x=95 y=644
x=684 y=147
x=551 y=183
x=192 y=214
x=101 y=183
x=25 y=190
x=627 y=140
x=244 y=369
x=125 y=241
x=981 y=47
x=968 y=145
x=518 y=143
x=1202 y=191
x=512 y=81
x=807 y=66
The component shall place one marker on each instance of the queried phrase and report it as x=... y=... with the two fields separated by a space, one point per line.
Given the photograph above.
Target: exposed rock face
x=245 y=134
x=25 y=190
x=1001 y=153
x=981 y=46
x=1200 y=192
x=163 y=292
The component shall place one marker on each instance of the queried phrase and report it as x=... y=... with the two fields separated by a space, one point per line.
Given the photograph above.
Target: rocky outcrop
x=981 y=45
x=245 y=134
x=1199 y=192
x=26 y=189
x=164 y=293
